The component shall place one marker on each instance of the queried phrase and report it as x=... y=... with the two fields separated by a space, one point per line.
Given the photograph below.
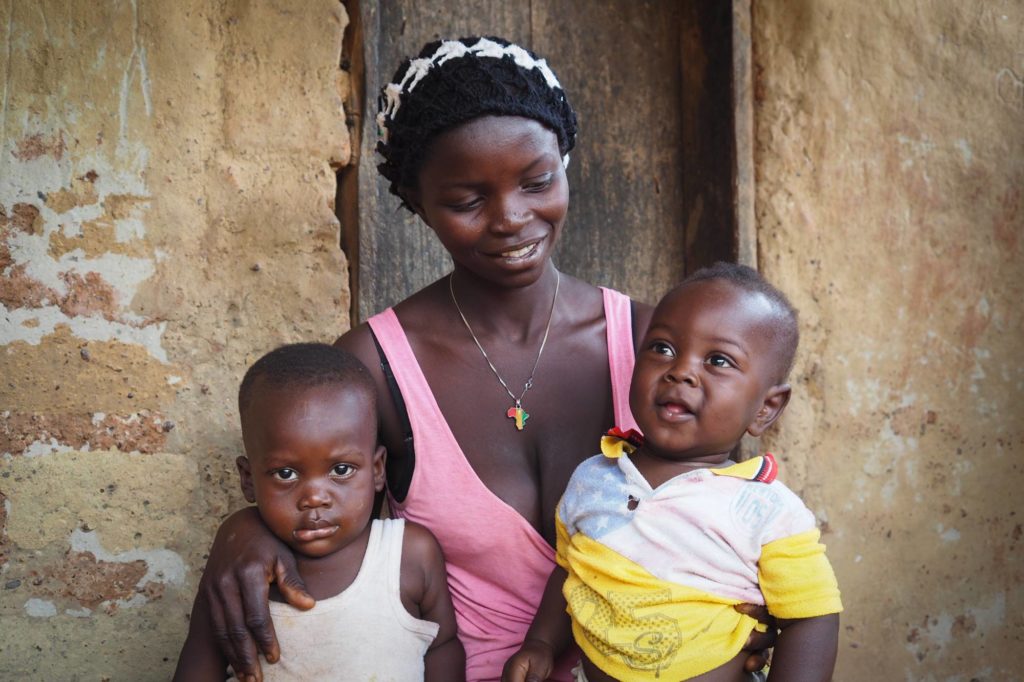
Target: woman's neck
x=519 y=313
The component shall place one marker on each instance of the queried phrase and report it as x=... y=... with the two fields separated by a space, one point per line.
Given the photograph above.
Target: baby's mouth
x=675 y=409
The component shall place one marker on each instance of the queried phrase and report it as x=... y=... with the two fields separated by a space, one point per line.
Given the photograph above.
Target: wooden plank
x=745 y=228
x=346 y=203
x=619 y=63
x=399 y=254
x=708 y=129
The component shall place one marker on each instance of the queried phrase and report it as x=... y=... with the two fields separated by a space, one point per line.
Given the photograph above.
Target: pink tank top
x=498 y=564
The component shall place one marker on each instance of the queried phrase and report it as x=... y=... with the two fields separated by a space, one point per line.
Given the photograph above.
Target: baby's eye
x=663 y=349
x=719 y=360
x=285 y=474
x=343 y=470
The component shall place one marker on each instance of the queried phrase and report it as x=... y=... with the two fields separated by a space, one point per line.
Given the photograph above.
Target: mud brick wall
x=167 y=180
x=166 y=190
x=890 y=172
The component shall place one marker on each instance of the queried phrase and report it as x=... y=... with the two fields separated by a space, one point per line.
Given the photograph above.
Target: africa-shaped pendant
x=519 y=414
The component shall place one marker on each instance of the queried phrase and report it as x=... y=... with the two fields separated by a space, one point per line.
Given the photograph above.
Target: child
x=662 y=534
x=313 y=468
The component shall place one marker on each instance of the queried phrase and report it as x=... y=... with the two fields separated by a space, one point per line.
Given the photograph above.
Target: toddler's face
x=703 y=371
x=313 y=465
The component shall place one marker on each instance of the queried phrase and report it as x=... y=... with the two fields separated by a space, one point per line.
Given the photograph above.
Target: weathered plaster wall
x=890 y=171
x=166 y=191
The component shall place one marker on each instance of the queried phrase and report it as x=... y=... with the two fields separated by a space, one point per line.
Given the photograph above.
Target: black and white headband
x=392 y=93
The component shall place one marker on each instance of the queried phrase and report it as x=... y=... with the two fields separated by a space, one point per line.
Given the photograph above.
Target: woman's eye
x=719 y=361
x=343 y=470
x=285 y=474
x=538 y=185
x=465 y=206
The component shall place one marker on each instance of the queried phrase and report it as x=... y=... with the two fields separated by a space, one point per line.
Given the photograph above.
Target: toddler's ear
x=379 y=457
x=774 y=403
x=245 y=478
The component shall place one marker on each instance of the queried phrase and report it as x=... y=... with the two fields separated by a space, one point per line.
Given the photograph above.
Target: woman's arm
x=244 y=560
x=200 y=660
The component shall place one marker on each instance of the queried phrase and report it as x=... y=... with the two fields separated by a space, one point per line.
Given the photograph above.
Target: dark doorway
x=652 y=176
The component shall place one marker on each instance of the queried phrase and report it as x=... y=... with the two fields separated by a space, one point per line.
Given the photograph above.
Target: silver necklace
x=515 y=412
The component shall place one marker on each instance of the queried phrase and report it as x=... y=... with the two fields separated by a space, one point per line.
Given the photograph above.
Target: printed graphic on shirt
x=627 y=626
x=755 y=507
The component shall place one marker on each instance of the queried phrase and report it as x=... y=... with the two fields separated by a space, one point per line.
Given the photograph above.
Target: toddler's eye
x=285 y=474
x=343 y=470
x=718 y=360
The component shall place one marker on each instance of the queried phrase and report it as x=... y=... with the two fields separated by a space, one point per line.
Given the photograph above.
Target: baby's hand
x=532 y=663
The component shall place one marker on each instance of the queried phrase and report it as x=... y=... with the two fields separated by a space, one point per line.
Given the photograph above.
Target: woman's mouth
x=519 y=253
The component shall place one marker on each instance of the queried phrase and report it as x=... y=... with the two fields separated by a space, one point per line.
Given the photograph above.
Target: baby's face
x=703 y=370
x=313 y=465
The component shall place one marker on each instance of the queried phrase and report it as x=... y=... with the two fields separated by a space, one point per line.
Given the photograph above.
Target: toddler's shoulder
x=418 y=543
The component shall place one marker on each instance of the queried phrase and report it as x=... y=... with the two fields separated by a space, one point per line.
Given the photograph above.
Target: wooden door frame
x=719 y=200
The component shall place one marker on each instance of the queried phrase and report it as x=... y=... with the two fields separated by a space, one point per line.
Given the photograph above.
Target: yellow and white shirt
x=654 y=573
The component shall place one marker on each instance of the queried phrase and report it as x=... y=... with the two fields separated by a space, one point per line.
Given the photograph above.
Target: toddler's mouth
x=310 y=534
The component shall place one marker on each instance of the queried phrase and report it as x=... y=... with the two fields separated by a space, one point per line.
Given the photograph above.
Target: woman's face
x=494 y=190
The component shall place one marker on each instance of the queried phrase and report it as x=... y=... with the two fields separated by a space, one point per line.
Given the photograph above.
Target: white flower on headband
x=452 y=49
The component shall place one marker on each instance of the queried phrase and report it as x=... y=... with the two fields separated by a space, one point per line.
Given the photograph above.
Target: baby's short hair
x=455 y=81
x=305 y=365
x=786 y=328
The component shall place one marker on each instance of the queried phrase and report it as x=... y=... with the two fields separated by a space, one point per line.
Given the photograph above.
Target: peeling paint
x=162 y=565
x=34 y=434
x=40 y=608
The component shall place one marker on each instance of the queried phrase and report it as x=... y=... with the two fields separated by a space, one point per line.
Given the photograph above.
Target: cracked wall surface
x=890 y=171
x=167 y=180
x=166 y=190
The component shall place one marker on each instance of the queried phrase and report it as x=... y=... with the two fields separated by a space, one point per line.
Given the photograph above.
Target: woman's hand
x=532 y=663
x=244 y=560
x=758 y=643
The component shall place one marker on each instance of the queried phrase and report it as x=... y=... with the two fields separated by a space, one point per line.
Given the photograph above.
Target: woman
x=509 y=370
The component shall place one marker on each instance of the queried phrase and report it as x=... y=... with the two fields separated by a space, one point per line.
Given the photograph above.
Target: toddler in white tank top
x=314 y=468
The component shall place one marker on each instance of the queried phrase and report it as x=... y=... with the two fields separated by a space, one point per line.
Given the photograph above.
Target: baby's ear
x=379 y=457
x=245 y=478
x=774 y=403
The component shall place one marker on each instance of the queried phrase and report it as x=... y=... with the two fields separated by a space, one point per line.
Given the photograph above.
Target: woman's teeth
x=518 y=253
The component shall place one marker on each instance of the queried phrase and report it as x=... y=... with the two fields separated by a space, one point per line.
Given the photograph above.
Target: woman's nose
x=513 y=214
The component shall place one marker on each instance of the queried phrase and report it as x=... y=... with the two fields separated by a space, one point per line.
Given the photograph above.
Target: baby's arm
x=547 y=638
x=200 y=658
x=425 y=588
x=806 y=649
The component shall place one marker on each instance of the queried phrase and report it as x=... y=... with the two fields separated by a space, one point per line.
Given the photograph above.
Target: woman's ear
x=379 y=457
x=245 y=477
x=774 y=403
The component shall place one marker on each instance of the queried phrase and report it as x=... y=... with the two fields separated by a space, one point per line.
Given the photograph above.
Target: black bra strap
x=398 y=469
